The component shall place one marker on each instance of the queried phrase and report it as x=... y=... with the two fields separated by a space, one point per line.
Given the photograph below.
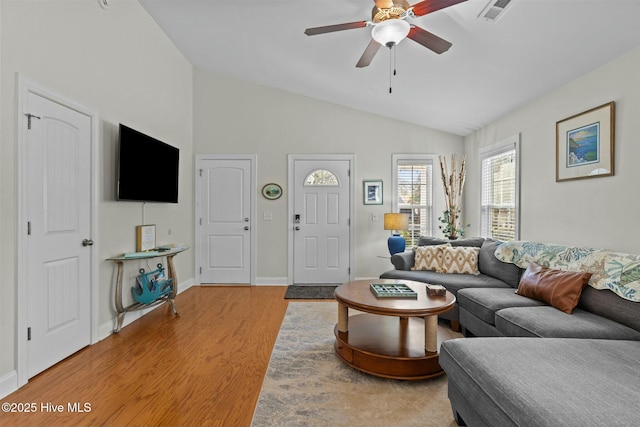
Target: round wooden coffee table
x=377 y=342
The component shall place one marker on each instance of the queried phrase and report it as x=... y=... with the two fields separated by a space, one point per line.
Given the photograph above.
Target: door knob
x=297 y=227
x=87 y=242
x=246 y=219
x=246 y=227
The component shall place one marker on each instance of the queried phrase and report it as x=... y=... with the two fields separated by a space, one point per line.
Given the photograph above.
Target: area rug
x=310 y=292
x=307 y=385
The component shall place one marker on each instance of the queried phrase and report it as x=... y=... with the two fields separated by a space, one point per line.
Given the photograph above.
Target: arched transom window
x=321 y=177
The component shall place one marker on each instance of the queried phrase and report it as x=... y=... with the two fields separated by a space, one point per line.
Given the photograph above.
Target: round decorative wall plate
x=272 y=191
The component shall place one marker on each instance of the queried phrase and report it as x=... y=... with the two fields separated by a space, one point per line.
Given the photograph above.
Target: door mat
x=310 y=292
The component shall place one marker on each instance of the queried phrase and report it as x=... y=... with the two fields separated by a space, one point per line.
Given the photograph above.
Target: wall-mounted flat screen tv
x=147 y=168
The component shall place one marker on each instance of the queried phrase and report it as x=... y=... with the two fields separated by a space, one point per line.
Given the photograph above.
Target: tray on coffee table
x=392 y=290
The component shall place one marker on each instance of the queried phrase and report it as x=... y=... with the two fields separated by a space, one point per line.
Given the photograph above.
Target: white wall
x=120 y=63
x=596 y=212
x=231 y=116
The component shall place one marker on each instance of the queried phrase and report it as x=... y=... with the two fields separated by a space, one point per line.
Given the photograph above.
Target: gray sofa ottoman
x=543 y=382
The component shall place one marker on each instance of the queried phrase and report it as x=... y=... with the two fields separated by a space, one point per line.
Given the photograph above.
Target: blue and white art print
x=583 y=145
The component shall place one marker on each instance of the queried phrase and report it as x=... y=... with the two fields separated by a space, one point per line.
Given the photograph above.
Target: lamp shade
x=390 y=32
x=396 y=221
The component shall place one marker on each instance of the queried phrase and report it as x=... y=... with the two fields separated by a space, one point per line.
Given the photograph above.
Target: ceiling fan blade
x=428 y=6
x=337 y=27
x=429 y=40
x=368 y=54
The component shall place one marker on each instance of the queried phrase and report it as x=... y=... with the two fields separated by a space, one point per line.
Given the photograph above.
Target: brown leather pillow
x=561 y=289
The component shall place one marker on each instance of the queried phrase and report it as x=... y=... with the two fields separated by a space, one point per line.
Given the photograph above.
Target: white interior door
x=321 y=236
x=58 y=210
x=225 y=223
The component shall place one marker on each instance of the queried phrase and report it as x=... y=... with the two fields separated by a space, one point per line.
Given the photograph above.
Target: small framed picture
x=372 y=192
x=145 y=238
x=585 y=144
x=272 y=191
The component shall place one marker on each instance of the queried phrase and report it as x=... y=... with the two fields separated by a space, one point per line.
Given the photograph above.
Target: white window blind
x=414 y=188
x=499 y=198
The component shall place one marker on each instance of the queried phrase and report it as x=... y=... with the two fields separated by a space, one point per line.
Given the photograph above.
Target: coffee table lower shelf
x=387 y=346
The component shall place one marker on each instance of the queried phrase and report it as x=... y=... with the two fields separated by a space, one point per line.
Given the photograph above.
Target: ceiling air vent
x=494 y=9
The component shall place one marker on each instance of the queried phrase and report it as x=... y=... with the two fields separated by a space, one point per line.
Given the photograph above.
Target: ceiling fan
x=390 y=26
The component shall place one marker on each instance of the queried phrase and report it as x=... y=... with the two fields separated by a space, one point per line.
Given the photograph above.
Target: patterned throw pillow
x=460 y=260
x=429 y=257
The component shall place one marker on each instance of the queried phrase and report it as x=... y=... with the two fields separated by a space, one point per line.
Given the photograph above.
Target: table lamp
x=396 y=221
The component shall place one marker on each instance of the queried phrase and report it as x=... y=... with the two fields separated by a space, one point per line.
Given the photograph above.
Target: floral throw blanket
x=616 y=271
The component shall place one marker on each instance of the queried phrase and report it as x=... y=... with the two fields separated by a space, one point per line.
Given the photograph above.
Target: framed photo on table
x=585 y=144
x=145 y=237
x=372 y=192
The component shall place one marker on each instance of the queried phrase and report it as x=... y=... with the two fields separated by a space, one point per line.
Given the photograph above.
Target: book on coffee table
x=392 y=290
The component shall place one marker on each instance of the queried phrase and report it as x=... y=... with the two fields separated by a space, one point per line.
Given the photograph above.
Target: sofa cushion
x=429 y=257
x=453 y=282
x=474 y=326
x=489 y=264
x=544 y=382
x=547 y=322
x=607 y=304
x=561 y=289
x=472 y=241
x=483 y=303
x=460 y=260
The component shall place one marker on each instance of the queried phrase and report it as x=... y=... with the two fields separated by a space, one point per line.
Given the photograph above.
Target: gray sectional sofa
x=493 y=273
x=533 y=364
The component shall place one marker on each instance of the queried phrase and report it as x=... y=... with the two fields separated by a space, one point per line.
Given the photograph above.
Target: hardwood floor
x=202 y=368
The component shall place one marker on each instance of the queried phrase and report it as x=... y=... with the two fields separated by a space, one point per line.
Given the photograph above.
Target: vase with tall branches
x=453 y=182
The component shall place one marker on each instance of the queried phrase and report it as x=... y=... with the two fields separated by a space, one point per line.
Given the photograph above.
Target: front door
x=225 y=220
x=58 y=212
x=321 y=236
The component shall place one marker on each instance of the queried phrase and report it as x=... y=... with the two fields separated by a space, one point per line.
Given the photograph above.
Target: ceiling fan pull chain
x=392 y=64
x=394 y=60
x=391 y=70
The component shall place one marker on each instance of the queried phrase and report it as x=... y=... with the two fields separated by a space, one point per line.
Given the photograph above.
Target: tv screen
x=147 y=168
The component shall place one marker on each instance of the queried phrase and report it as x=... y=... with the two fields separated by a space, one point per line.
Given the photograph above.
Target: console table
x=171 y=273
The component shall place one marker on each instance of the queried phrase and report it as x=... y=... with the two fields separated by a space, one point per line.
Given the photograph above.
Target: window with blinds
x=499 y=198
x=414 y=188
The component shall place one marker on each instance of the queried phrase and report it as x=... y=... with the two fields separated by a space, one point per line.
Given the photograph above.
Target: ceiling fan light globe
x=390 y=32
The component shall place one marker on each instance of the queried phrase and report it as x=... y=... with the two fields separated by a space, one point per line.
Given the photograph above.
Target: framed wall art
x=372 y=192
x=272 y=191
x=585 y=144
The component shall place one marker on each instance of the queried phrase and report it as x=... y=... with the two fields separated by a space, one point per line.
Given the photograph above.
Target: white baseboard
x=8 y=384
x=271 y=281
x=108 y=328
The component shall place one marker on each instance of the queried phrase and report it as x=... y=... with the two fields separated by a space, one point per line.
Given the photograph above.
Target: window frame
x=510 y=143
x=428 y=159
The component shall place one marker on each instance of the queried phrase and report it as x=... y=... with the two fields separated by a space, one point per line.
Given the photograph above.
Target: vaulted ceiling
x=492 y=68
